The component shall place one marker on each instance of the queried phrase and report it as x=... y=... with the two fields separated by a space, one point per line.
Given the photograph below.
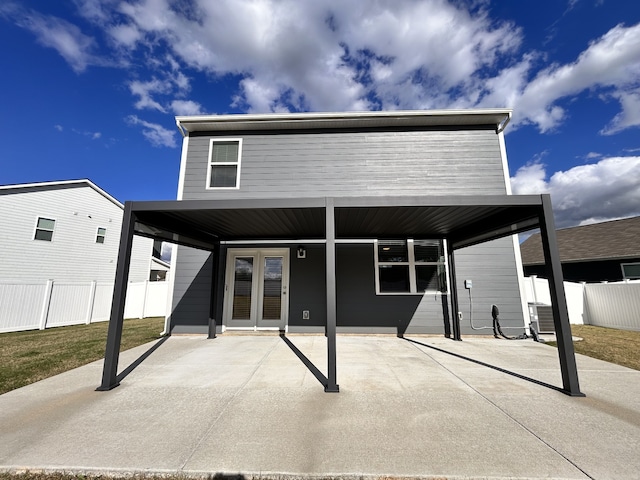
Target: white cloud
x=144 y=90
x=337 y=55
x=59 y=128
x=186 y=107
x=53 y=32
x=154 y=133
x=612 y=61
x=604 y=190
x=91 y=135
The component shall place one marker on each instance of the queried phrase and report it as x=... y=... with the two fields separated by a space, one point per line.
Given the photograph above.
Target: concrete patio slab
x=417 y=407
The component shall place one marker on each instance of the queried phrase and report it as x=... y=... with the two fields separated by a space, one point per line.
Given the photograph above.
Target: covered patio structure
x=462 y=220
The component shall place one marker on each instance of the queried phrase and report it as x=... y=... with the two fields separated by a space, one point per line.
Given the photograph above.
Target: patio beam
x=114 y=336
x=566 y=352
x=330 y=247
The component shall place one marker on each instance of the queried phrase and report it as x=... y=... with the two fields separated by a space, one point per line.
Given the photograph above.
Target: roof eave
x=499 y=117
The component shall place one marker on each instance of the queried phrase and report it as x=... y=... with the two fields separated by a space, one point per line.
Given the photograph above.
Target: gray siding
x=73 y=254
x=313 y=164
x=452 y=162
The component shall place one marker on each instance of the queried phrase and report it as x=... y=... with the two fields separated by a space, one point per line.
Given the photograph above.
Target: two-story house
x=59 y=242
x=367 y=222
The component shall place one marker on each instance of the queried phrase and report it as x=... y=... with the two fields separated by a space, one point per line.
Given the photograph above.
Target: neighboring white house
x=59 y=242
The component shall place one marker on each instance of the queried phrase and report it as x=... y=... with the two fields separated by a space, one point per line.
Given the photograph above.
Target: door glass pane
x=242 y=281
x=272 y=299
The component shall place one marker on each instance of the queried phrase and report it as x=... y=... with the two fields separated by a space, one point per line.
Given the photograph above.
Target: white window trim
x=35 y=229
x=103 y=236
x=210 y=162
x=412 y=270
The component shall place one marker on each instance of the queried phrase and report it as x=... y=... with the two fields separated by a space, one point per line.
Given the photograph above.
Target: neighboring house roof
x=400 y=118
x=617 y=239
x=159 y=264
x=61 y=184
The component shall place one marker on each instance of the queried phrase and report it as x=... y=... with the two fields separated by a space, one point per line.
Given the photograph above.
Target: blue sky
x=90 y=88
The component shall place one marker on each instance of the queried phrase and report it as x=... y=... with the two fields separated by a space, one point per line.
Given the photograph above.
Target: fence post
x=44 y=312
x=92 y=299
x=144 y=298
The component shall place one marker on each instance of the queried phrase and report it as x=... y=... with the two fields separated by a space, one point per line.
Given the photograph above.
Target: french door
x=256 y=285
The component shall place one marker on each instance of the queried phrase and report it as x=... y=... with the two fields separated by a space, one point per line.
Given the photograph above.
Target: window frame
x=624 y=273
x=211 y=164
x=103 y=236
x=411 y=264
x=36 y=228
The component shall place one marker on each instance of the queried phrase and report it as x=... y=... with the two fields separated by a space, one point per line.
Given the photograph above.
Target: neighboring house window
x=102 y=233
x=410 y=266
x=630 y=271
x=44 y=229
x=224 y=163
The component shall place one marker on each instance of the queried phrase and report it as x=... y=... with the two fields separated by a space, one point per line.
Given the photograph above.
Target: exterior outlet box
x=305 y=314
x=468 y=284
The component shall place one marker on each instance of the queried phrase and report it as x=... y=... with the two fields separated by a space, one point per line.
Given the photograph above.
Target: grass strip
x=609 y=344
x=27 y=357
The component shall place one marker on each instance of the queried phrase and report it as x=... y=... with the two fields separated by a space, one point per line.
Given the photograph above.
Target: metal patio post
x=331 y=385
x=213 y=299
x=114 y=336
x=558 y=300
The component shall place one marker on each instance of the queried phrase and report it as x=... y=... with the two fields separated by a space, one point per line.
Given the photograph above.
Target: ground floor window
x=412 y=266
x=631 y=271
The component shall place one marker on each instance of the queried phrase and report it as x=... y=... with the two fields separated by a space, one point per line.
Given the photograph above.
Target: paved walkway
x=244 y=404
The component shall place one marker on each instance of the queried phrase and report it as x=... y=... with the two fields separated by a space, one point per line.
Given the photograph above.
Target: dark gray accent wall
x=492 y=269
x=307 y=288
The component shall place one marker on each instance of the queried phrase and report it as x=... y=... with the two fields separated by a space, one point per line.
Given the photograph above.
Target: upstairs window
x=224 y=163
x=101 y=234
x=410 y=266
x=44 y=229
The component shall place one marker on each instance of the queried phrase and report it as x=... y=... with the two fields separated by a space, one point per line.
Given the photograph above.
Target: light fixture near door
x=301 y=252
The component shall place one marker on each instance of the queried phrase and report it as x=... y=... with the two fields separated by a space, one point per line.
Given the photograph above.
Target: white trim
x=183 y=167
x=498 y=116
x=237 y=163
x=85 y=181
x=36 y=228
x=411 y=264
x=521 y=280
x=104 y=237
x=170 y=291
x=257 y=286
x=296 y=241
x=505 y=163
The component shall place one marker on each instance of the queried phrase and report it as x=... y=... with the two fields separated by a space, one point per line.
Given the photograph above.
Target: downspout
x=183 y=132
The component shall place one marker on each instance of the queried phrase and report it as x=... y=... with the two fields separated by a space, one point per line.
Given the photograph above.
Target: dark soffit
x=464 y=220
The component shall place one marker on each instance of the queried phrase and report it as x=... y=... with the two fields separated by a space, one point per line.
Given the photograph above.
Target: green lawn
x=26 y=357
x=608 y=344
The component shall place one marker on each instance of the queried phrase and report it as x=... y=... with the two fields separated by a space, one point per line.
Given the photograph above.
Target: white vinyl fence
x=40 y=305
x=613 y=305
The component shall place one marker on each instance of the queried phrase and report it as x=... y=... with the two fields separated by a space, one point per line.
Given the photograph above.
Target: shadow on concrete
x=312 y=368
x=141 y=359
x=478 y=362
